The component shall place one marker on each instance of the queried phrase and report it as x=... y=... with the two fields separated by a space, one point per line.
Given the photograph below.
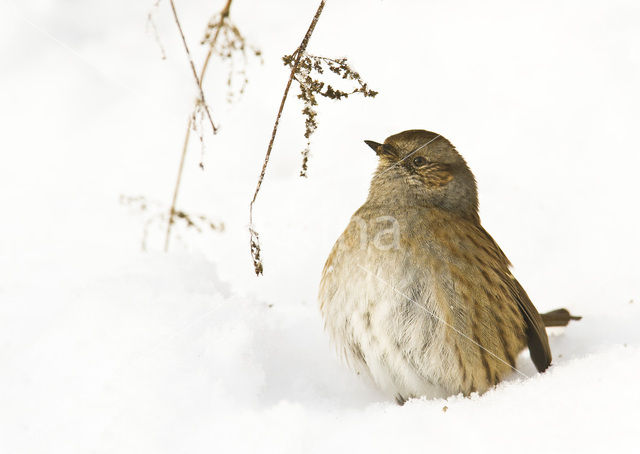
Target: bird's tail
x=559 y=317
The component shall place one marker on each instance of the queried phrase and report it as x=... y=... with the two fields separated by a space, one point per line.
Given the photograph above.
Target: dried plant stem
x=223 y=15
x=193 y=67
x=151 y=23
x=254 y=240
x=176 y=189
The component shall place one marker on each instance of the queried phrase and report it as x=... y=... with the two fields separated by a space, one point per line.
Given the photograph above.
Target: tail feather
x=559 y=317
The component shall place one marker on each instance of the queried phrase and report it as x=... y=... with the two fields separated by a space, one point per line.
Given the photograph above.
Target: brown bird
x=415 y=293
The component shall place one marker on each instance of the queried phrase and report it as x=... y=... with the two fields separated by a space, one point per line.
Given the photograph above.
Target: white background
x=105 y=348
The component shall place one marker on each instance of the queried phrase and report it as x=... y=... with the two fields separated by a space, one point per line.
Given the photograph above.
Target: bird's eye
x=419 y=161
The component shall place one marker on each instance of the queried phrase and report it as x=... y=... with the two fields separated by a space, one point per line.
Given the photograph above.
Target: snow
x=105 y=348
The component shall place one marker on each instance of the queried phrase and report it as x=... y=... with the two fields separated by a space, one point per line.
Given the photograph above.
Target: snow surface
x=105 y=348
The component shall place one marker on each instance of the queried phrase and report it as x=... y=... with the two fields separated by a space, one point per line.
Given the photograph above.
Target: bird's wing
x=537 y=339
x=536 y=334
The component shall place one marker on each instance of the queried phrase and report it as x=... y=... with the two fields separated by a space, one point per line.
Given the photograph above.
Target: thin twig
x=152 y=24
x=223 y=15
x=193 y=66
x=172 y=211
x=254 y=240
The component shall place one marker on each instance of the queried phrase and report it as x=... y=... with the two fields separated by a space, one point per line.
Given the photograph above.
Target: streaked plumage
x=415 y=293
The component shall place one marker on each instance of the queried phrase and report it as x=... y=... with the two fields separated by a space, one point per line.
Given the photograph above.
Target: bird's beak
x=382 y=149
x=375 y=146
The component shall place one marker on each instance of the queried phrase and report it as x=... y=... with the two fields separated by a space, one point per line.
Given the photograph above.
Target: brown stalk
x=193 y=66
x=254 y=240
x=224 y=13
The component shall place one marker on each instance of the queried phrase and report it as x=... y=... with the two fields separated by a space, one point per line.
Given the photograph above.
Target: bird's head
x=422 y=168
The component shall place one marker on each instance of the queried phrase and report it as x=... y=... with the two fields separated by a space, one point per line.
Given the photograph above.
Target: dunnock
x=415 y=292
